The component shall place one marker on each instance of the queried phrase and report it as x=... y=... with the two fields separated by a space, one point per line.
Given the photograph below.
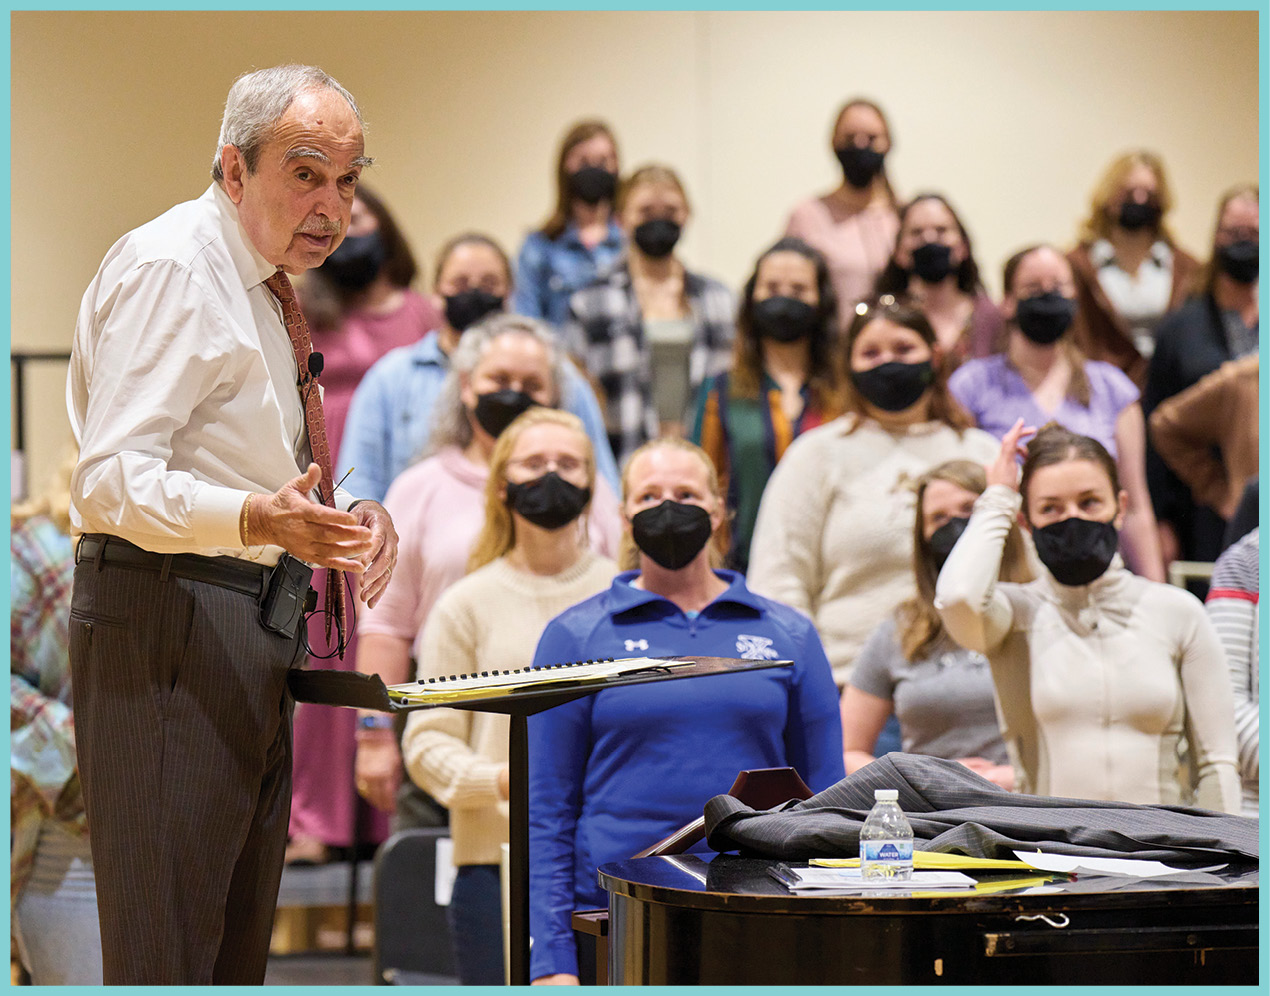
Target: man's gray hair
x=450 y=424
x=257 y=100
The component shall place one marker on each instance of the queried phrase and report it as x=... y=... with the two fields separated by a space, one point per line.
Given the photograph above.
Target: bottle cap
x=886 y=795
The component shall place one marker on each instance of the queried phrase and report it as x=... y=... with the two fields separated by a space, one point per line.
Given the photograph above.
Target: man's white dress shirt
x=182 y=388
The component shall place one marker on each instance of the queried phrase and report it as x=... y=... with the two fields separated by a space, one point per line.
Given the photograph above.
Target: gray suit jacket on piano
x=954 y=810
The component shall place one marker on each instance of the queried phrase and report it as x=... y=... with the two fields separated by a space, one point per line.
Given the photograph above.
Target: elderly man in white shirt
x=204 y=494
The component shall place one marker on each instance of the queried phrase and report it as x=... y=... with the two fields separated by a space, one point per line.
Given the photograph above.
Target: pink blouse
x=856 y=246
x=438 y=508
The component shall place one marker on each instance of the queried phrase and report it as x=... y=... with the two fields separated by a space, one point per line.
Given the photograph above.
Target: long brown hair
x=894 y=278
x=890 y=140
x=943 y=406
x=498 y=534
x=1096 y=224
x=1207 y=274
x=581 y=132
x=1078 y=381
x=747 y=351
x=917 y=623
x=628 y=555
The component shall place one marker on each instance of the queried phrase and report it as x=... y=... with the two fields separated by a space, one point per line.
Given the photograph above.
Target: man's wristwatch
x=375 y=721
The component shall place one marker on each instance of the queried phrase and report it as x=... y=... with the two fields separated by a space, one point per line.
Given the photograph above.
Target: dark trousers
x=183 y=730
x=476 y=925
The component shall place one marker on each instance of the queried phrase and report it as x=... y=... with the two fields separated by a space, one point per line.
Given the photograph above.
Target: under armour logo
x=754 y=648
x=633 y=645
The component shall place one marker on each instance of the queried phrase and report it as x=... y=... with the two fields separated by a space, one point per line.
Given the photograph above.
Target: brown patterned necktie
x=315 y=423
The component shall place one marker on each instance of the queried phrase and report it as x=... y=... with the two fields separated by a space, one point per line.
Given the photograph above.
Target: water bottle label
x=886 y=851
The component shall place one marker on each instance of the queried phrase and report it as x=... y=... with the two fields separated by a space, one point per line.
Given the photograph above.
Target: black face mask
x=671 y=533
x=548 y=501
x=592 y=184
x=1076 y=551
x=894 y=386
x=1239 y=261
x=497 y=410
x=1043 y=318
x=932 y=261
x=657 y=238
x=859 y=166
x=356 y=262
x=943 y=539
x=1134 y=216
x=468 y=307
x=783 y=319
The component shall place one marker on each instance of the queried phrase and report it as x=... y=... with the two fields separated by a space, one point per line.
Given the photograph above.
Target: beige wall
x=1013 y=115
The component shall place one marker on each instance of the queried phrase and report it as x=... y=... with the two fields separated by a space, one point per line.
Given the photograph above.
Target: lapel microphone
x=315 y=364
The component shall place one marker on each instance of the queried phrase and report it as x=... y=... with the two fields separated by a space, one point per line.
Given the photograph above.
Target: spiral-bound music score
x=459 y=687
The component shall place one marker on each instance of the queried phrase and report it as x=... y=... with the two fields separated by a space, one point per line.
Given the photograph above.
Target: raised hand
x=1005 y=468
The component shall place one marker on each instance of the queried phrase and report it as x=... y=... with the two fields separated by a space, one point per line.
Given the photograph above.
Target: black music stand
x=525 y=693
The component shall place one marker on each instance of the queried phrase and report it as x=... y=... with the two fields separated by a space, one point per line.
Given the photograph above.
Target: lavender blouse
x=995 y=394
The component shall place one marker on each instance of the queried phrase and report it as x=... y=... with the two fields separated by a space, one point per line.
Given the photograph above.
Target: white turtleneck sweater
x=489 y=620
x=1097 y=683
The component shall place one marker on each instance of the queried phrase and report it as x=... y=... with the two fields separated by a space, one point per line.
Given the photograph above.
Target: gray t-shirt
x=670 y=342
x=944 y=701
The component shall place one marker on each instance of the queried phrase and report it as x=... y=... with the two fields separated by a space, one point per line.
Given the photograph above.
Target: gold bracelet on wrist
x=242 y=526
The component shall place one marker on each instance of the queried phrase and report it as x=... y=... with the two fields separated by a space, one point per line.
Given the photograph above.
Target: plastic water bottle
x=886 y=840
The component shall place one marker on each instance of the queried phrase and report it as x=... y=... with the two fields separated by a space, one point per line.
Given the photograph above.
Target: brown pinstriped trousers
x=183 y=730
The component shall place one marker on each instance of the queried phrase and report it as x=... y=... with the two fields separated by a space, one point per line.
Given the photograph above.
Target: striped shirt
x=1232 y=606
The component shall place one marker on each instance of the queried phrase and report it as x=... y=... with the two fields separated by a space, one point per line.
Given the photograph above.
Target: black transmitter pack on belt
x=287 y=596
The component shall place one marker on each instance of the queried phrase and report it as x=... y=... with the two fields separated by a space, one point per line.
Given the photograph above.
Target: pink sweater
x=438 y=508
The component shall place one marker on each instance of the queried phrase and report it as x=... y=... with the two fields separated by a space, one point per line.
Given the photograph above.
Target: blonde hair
x=498 y=534
x=628 y=554
x=1097 y=225
x=917 y=623
x=651 y=175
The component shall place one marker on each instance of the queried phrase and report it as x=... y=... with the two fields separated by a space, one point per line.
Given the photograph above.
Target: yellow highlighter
x=936 y=861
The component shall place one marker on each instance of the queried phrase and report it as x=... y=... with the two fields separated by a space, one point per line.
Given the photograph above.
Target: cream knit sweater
x=490 y=619
x=834 y=536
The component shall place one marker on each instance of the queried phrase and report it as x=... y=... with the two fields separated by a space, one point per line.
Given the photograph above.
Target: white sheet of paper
x=1072 y=863
x=812 y=879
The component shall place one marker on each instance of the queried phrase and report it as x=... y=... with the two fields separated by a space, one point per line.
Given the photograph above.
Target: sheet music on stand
x=505 y=691
x=460 y=687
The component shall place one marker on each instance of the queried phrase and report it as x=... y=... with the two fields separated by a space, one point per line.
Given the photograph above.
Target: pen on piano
x=783 y=873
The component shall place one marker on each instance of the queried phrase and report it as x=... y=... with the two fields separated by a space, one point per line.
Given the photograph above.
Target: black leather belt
x=225 y=572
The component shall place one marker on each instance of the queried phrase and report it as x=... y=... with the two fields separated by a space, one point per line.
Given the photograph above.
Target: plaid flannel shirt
x=42 y=773
x=606 y=331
